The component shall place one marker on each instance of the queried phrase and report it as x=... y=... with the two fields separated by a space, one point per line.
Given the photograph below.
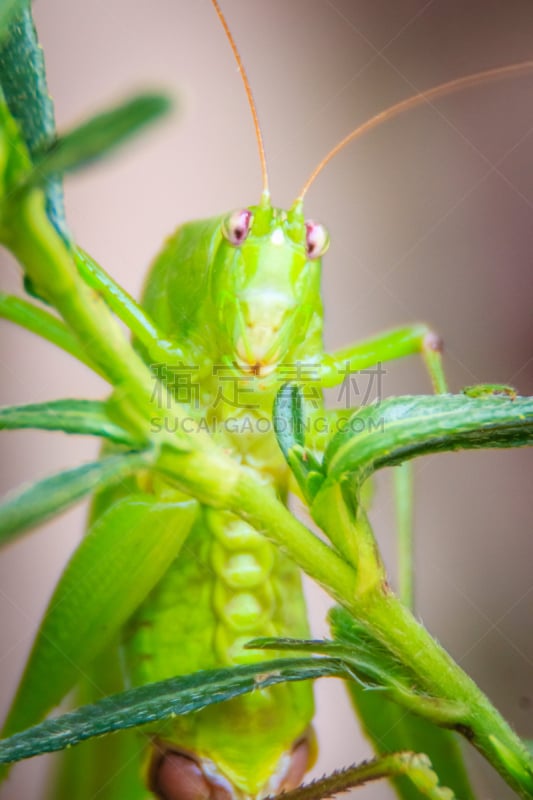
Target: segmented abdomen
x=227 y=586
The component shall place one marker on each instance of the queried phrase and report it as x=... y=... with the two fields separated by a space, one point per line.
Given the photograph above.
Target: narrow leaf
x=415 y=766
x=97 y=137
x=52 y=495
x=370 y=665
x=126 y=552
x=9 y=10
x=87 y=417
x=391 y=727
x=373 y=666
x=162 y=700
x=44 y=324
x=23 y=81
x=289 y=426
x=288 y=418
x=388 y=725
x=117 y=776
x=400 y=428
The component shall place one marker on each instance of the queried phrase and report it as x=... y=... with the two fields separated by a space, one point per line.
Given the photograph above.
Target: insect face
x=267 y=273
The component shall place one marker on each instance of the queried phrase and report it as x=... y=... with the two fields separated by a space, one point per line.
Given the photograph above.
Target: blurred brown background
x=430 y=218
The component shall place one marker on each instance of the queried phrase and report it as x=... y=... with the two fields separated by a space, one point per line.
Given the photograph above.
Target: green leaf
x=289 y=418
x=491 y=390
x=378 y=683
x=97 y=137
x=23 y=81
x=414 y=766
x=391 y=727
x=162 y=700
x=87 y=417
x=289 y=426
x=124 y=555
x=117 y=776
x=369 y=664
x=52 y=495
x=9 y=10
x=400 y=428
x=44 y=324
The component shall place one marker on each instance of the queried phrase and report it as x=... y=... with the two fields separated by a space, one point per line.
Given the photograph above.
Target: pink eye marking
x=316 y=239
x=237 y=226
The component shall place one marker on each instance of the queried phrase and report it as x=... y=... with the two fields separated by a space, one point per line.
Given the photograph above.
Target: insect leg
x=393 y=344
x=104 y=767
x=155 y=342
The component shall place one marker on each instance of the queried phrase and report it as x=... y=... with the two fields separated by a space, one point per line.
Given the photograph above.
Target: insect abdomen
x=228 y=586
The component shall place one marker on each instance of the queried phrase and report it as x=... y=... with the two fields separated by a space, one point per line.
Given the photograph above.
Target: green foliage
x=402 y=428
x=391 y=728
x=9 y=10
x=23 y=83
x=50 y=496
x=86 y=417
x=97 y=137
x=110 y=573
x=378 y=644
x=161 y=701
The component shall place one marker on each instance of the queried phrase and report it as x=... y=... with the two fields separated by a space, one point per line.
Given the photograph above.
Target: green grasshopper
x=252 y=310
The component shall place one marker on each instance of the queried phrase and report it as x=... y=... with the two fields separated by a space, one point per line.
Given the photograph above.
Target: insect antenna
x=456 y=85
x=250 y=98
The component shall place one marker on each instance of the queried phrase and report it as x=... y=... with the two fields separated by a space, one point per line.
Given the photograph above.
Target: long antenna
x=413 y=102
x=249 y=95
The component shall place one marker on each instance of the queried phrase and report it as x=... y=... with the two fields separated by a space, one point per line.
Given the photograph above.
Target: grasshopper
x=244 y=352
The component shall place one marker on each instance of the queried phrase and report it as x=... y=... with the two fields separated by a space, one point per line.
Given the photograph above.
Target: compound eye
x=236 y=227
x=316 y=239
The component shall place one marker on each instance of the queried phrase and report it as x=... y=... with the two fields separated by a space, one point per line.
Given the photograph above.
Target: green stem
x=212 y=476
x=403 y=498
x=393 y=624
x=49 y=265
x=218 y=481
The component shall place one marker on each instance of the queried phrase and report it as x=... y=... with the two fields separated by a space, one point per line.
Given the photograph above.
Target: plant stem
x=391 y=622
x=49 y=265
x=482 y=725
x=403 y=500
x=216 y=479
